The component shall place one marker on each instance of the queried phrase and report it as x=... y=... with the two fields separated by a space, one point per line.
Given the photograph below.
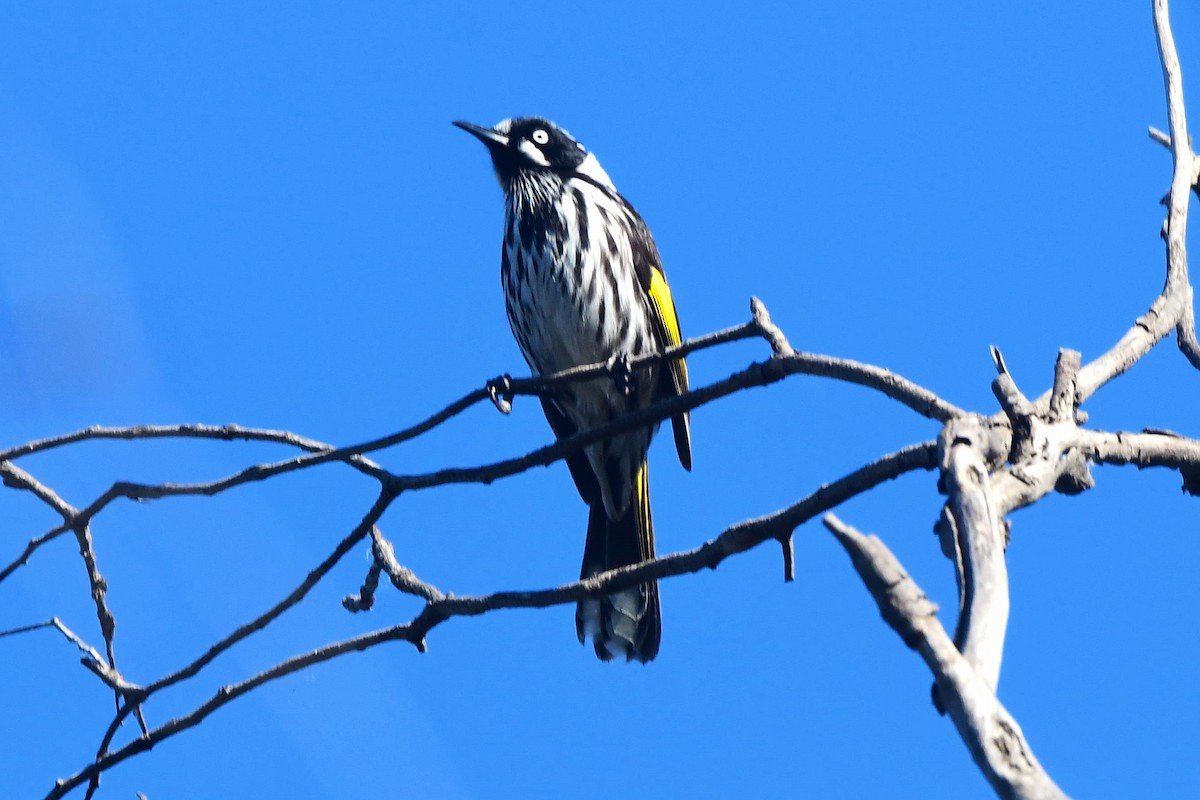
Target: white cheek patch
x=592 y=169
x=531 y=153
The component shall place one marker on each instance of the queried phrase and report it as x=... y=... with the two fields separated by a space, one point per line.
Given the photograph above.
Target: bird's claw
x=621 y=372
x=500 y=393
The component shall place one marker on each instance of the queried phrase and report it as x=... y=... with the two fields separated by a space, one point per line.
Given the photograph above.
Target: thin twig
x=32 y=547
x=403 y=578
x=295 y=596
x=732 y=540
x=57 y=624
x=757 y=374
x=769 y=330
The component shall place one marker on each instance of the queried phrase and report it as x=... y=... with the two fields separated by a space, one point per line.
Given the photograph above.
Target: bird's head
x=534 y=144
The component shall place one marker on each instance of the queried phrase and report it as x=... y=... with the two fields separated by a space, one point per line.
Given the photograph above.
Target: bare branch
x=440 y=608
x=403 y=578
x=919 y=399
x=1173 y=309
x=1143 y=450
x=1012 y=400
x=1063 y=397
x=734 y=539
x=979 y=538
x=1045 y=448
x=295 y=596
x=365 y=599
x=104 y=759
x=1185 y=177
x=989 y=731
x=30 y=548
x=223 y=696
x=538 y=384
x=758 y=374
x=769 y=330
x=17 y=478
x=186 y=431
x=71 y=636
x=1187 y=330
x=1045 y=435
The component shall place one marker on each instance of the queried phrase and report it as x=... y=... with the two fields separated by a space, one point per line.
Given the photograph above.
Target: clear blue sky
x=225 y=214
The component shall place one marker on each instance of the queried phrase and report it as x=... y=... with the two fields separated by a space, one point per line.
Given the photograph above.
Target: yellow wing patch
x=667 y=321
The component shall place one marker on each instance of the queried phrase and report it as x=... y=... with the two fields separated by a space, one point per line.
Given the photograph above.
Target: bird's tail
x=627 y=624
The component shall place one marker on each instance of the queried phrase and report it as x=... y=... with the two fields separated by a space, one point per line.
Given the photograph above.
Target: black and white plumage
x=583 y=283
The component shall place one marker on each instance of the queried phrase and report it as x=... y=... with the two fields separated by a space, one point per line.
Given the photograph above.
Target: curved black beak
x=485 y=135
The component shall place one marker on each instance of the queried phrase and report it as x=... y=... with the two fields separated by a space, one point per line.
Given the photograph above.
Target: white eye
x=540 y=136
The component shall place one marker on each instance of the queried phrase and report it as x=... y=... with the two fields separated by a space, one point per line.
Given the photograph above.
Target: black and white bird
x=583 y=283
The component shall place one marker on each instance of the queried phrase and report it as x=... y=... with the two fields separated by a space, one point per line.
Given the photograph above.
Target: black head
x=528 y=143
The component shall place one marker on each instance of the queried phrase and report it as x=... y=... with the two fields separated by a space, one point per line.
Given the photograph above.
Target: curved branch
x=732 y=540
x=226 y=433
x=31 y=547
x=758 y=374
x=1186 y=176
x=989 y=731
x=17 y=478
x=785 y=364
x=359 y=532
x=1173 y=309
x=978 y=538
x=735 y=539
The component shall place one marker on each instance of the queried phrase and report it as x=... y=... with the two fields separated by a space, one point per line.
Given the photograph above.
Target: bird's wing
x=581 y=468
x=648 y=266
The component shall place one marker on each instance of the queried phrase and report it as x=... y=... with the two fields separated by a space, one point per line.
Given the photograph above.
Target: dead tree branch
x=988 y=466
x=441 y=607
x=989 y=731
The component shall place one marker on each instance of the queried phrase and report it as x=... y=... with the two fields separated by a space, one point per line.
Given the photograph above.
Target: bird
x=584 y=284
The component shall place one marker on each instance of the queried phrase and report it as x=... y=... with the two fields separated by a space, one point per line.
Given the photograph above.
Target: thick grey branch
x=978 y=538
x=989 y=731
x=1143 y=450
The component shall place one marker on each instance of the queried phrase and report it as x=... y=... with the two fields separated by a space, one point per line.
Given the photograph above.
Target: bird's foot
x=500 y=392
x=621 y=372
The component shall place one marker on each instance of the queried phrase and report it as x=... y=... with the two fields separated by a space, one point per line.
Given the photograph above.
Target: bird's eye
x=540 y=136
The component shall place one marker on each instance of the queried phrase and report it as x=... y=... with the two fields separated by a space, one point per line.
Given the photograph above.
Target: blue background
x=238 y=213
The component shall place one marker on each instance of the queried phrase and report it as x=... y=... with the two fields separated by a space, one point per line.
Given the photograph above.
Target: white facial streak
x=532 y=153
